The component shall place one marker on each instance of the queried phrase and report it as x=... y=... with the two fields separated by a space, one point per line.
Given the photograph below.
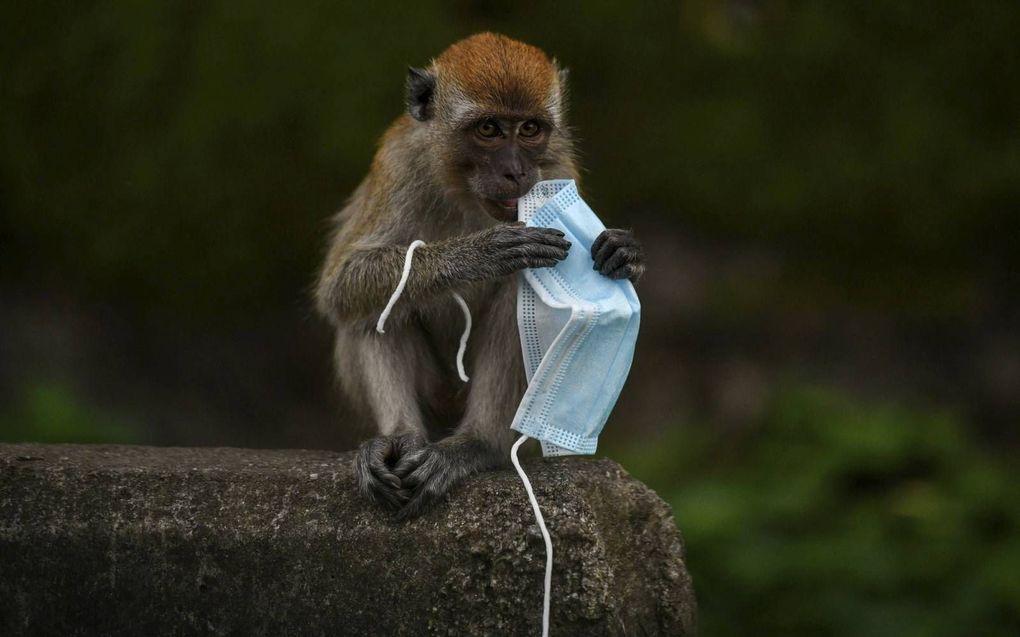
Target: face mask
x=578 y=329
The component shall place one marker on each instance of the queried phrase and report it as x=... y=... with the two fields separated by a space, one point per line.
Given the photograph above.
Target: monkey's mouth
x=503 y=209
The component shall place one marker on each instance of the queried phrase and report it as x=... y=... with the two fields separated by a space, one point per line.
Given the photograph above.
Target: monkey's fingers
x=375 y=489
x=408 y=463
x=425 y=496
x=383 y=494
x=607 y=248
x=515 y=259
x=632 y=271
x=408 y=450
x=547 y=236
x=612 y=240
x=510 y=236
x=621 y=257
x=373 y=455
x=542 y=263
x=430 y=482
x=598 y=242
x=537 y=251
x=427 y=463
x=526 y=263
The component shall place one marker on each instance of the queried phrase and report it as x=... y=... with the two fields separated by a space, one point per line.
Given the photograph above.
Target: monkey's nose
x=517 y=178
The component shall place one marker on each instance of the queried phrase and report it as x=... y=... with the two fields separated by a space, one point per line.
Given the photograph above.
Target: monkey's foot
x=375 y=467
x=431 y=472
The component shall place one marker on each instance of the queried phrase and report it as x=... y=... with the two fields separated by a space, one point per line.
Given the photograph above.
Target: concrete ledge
x=156 y=541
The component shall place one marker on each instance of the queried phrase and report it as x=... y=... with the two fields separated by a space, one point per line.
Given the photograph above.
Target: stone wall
x=119 y=540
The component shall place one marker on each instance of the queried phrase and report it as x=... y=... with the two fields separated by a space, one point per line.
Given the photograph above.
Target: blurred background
x=827 y=384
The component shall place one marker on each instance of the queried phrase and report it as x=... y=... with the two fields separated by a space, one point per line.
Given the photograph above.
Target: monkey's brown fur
x=500 y=72
x=435 y=178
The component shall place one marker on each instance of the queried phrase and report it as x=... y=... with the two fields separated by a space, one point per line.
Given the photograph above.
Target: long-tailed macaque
x=485 y=121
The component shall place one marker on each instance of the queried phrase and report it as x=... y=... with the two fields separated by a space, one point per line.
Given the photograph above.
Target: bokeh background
x=827 y=384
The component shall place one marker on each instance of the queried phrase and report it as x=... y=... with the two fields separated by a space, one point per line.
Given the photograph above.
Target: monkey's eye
x=487 y=129
x=529 y=128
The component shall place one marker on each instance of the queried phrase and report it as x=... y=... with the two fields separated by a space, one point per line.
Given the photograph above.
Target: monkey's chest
x=492 y=339
x=441 y=337
x=442 y=393
x=441 y=331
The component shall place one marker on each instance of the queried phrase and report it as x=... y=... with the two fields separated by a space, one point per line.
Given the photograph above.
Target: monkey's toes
x=422 y=500
x=430 y=482
x=373 y=474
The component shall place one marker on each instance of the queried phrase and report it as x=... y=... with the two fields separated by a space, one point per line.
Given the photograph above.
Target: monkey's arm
x=618 y=255
x=357 y=282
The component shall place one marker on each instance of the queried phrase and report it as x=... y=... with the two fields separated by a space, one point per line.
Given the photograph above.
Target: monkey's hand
x=618 y=255
x=375 y=464
x=508 y=248
x=429 y=473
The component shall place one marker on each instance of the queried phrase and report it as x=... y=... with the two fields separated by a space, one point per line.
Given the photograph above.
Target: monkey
x=484 y=121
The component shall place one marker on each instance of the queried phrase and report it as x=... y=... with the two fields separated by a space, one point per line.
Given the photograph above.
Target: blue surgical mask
x=578 y=329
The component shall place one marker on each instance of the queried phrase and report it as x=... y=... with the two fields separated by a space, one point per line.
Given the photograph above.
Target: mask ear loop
x=464 y=335
x=379 y=327
x=545 y=534
x=456 y=297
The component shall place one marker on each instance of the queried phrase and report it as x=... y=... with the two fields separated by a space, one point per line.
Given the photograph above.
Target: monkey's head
x=493 y=107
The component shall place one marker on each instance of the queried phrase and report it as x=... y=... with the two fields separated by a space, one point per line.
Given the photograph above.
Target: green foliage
x=185 y=156
x=181 y=159
x=840 y=518
x=51 y=412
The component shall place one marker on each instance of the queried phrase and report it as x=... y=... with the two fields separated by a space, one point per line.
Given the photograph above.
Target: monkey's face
x=493 y=108
x=502 y=156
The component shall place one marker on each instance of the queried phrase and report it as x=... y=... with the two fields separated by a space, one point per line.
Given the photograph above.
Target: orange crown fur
x=500 y=73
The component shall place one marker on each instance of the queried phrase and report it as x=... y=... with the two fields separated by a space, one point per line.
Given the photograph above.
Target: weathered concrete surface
x=118 y=540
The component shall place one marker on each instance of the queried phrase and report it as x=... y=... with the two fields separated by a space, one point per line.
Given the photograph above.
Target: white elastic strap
x=464 y=336
x=456 y=297
x=545 y=534
x=400 y=286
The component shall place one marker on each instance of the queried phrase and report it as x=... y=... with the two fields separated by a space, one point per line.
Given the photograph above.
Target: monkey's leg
x=381 y=372
x=482 y=440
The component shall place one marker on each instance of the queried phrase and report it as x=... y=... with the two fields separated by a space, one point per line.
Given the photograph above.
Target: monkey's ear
x=421 y=87
x=562 y=74
x=560 y=101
